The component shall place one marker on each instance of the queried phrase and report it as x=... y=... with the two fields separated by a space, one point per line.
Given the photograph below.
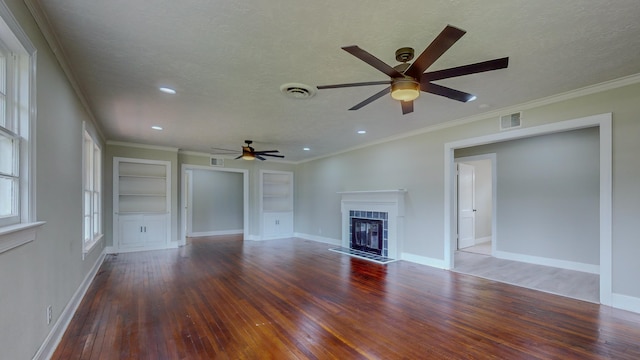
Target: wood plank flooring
x=223 y=298
x=574 y=284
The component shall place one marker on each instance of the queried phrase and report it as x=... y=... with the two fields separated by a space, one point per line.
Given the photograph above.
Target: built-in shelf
x=141 y=203
x=276 y=195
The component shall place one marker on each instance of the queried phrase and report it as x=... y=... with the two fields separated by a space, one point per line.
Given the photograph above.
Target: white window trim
x=88 y=245
x=25 y=231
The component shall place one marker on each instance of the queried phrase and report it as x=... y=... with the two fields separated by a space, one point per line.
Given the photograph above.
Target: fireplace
x=367 y=235
x=378 y=219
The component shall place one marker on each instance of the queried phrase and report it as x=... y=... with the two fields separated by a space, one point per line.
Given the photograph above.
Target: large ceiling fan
x=408 y=79
x=249 y=153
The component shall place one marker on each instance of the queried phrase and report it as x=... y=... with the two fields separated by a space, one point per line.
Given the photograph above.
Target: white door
x=466 y=206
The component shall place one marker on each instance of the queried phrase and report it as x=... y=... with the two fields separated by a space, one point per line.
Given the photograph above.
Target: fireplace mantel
x=387 y=201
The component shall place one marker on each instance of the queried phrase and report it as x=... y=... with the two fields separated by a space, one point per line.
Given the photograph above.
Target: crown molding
x=584 y=91
x=142 y=146
x=52 y=40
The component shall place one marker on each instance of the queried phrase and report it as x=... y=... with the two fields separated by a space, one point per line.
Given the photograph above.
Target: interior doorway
x=604 y=197
x=189 y=192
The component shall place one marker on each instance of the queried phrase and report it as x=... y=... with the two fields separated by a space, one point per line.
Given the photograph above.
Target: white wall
x=317 y=204
x=49 y=270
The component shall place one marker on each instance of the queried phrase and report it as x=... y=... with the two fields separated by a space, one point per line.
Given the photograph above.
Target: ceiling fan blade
x=372 y=98
x=239 y=157
x=382 y=82
x=372 y=60
x=446 y=92
x=272 y=155
x=407 y=107
x=489 y=65
x=260 y=158
x=262 y=152
x=221 y=149
x=442 y=43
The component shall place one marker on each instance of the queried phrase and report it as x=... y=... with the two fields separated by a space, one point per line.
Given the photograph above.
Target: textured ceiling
x=227 y=59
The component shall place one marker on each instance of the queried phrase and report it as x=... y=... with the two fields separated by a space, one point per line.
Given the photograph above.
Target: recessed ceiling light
x=156 y=127
x=361 y=132
x=167 y=90
x=306 y=149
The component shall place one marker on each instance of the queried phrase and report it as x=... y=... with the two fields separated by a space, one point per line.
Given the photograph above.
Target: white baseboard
x=423 y=260
x=322 y=239
x=60 y=326
x=114 y=250
x=626 y=302
x=483 y=240
x=562 y=264
x=216 y=233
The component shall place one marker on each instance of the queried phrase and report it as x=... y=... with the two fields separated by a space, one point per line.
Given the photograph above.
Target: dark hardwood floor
x=222 y=298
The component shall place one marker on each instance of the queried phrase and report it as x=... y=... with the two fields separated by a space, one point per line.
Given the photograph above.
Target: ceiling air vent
x=510 y=121
x=216 y=161
x=297 y=91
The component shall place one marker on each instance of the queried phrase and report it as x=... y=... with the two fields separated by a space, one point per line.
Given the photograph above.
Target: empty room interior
x=256 y=180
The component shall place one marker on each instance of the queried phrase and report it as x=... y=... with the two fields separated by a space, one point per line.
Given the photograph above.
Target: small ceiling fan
x=407 y=80
x=249 y=153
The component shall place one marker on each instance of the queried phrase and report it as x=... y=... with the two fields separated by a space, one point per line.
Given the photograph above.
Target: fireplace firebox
x=367 y=235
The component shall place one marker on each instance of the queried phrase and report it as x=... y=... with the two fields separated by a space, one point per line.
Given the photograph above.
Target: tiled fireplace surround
x=376 y=205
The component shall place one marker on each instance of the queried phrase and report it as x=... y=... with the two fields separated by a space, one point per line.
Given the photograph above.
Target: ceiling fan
x=408 y=79
x=249 y=153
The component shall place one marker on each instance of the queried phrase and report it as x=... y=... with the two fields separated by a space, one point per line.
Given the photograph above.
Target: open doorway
x=215 y=201
x=602 y=266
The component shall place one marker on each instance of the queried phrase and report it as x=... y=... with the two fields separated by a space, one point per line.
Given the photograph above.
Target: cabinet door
x=285 y=224
x=130 y=231
x=270 y=224
x=155 y=229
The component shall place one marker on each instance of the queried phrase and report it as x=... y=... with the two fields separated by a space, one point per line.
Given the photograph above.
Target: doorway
x=475 y=203
x=193 y=191
x=603 y=123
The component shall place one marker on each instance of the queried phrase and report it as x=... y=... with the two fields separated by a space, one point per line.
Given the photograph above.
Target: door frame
x=603 y=122
x=494 y=186
x=184 y=219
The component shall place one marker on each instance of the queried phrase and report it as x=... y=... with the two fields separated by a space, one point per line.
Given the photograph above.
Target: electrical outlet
x=49 y=314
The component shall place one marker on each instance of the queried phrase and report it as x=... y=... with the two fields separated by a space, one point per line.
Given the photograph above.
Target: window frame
x=92 y=195
x=21 y=121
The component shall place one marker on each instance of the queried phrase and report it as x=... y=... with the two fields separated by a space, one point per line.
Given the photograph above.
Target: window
x=92 y=185
x=17 y=112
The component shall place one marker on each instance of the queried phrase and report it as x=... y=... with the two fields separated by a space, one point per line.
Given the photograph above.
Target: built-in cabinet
x=141 y=204
x=276 y=198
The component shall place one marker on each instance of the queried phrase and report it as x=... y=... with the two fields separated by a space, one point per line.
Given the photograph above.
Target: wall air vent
x=510 y=121
x=217 y=161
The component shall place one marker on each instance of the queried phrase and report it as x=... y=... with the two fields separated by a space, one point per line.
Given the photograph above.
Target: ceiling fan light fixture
x=405 y=89
x=247 y=154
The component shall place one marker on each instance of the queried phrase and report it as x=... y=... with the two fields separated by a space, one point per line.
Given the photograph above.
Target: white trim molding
x=17 y=235
x=626 y=302
x=215 y=233
x=320 y=239
x=557 y=263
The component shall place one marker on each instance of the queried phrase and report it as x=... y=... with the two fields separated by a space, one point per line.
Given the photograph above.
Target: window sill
x=16 y=235
x=88 y=246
